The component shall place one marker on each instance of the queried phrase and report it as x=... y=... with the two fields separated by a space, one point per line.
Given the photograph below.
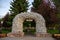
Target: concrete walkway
x=28 y=38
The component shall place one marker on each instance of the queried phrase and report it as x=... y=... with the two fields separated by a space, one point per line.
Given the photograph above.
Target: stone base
x=21 y=34
x=18 y=34
x=43 y=35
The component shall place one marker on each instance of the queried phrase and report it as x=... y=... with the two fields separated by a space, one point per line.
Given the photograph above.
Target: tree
x=57 y=3
x=17 y=6
x=35 y=4
x=0 y=26
x=5 y=20
x=44 y=9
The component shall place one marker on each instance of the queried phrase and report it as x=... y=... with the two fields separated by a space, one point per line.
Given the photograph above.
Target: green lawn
x=53 y=31
x=5 y=31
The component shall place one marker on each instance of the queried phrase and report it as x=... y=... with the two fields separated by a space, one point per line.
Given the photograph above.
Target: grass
x=5 y=31
x=53 y=31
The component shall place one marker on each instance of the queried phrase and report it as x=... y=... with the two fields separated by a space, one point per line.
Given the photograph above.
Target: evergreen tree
x=17 y=6
x=0 y=23
x=57 y=3
x=5 y=20
x=35 y=4
x=0 y=26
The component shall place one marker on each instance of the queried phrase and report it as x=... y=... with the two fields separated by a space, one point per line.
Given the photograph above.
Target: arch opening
x=29 y=26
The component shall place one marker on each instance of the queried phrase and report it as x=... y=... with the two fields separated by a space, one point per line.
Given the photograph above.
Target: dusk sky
x=5 y=6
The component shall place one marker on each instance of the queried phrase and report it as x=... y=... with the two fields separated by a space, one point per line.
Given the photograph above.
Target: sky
x=5 y=6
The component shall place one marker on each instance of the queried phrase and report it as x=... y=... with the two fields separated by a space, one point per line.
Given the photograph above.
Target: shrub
x=53 y=31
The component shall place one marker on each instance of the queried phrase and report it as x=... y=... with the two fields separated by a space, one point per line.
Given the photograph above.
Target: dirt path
x=28 y=38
